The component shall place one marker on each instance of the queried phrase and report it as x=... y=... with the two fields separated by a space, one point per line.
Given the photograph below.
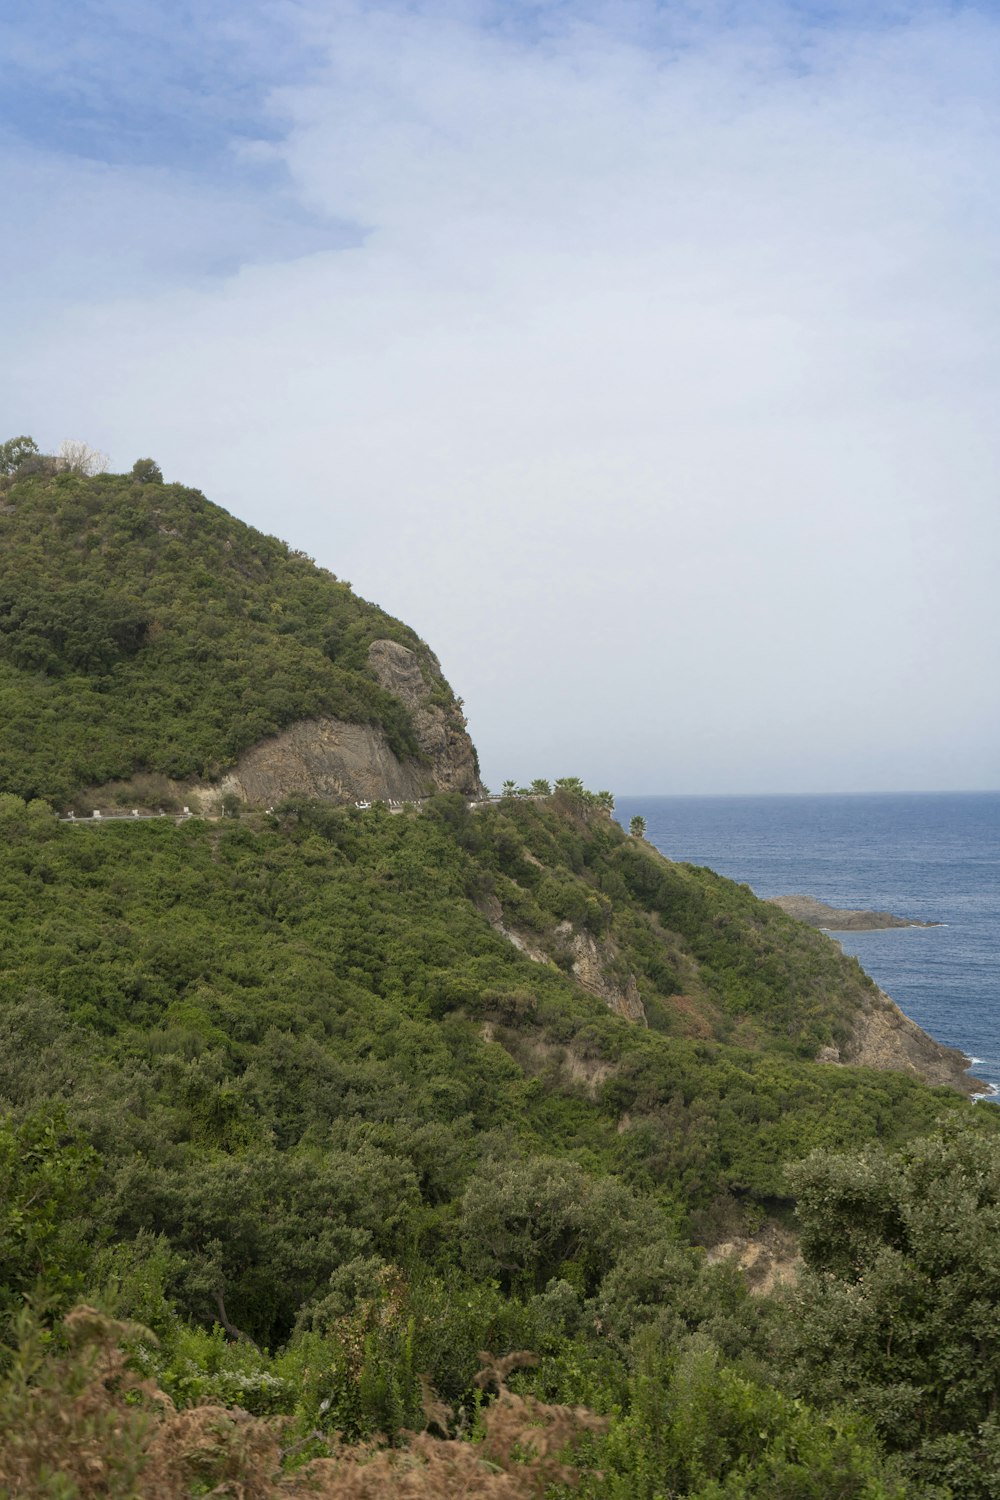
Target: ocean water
x=931 y=856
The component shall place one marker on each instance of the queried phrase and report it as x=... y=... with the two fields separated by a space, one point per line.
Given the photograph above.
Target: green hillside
x=143 y=629
x=363 y=1152
x=280 y=1073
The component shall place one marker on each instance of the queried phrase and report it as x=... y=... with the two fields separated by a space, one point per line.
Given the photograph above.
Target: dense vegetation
x=280 y=1076
x=143 y=629
x=286 y=1101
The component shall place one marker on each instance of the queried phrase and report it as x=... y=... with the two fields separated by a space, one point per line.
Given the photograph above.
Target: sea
x=931 y=856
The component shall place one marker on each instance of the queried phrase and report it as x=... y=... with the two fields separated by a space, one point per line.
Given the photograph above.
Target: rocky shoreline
x=885 y=1037
x=841 y=918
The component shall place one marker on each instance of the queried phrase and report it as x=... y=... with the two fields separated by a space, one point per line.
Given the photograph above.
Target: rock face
x=840 y=918
x=440 y=730
x=883 y=1037
x=594 y=970
x=343 y=762
x=594 y=964
x=324 y=758
x=493 y=912
x=768 y=1259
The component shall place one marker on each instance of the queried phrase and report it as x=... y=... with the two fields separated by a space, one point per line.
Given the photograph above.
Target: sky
x=643 y=357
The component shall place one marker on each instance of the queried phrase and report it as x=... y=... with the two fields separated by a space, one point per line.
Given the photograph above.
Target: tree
x=14 y=451
x=80 y=458
x=509 y=788
x=637 y=826
x=147 y=471
x=899 y=1310
x=571 y=785
x=524 y=1221
x=605 y=800
x=540 y=787
x=47 y=1176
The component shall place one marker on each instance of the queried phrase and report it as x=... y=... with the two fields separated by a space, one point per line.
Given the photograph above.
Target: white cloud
x=657 y=393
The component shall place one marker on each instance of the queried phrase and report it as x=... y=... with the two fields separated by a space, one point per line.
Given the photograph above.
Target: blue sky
x=149 y=84
x=642 y=357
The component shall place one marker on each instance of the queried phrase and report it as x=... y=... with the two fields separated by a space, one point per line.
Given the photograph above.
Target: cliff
x=596 y=965
x=884 y=1037
x=152 y=645
x=341 y=762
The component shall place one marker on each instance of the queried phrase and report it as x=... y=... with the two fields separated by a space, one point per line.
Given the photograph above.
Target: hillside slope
x=146 y=632
x=200 y=993
x=326 y=1100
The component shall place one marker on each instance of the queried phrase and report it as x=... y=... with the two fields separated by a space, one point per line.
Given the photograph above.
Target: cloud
x=648 y=371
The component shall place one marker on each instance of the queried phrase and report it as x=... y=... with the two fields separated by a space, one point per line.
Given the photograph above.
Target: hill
x=281 y=1074
x=149 y=638
x=319 y=1102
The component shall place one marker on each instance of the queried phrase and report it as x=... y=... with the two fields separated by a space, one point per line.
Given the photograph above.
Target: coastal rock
x=840 y=918
x=883 y=1037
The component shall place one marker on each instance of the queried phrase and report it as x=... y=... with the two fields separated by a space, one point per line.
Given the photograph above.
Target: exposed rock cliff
x=595 y=965
x=438 y=720
x=343 y=762
x=595 y=968
x=324 y=758
x=883 y=1037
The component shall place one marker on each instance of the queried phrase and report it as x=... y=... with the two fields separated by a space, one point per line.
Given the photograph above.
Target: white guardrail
x=119 y=815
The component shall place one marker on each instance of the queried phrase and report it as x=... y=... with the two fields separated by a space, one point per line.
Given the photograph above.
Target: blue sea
x=931 y=856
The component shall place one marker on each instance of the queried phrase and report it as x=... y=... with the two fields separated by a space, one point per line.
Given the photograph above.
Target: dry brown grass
x=82 y=1425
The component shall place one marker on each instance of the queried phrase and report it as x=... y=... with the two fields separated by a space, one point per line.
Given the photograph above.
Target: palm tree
x=572 y=785
x=508 y=789
x=637 y=826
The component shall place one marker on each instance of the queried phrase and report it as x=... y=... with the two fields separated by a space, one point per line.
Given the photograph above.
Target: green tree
x=147 y=471
x=637 y=826
x=47 y=1174
x=699 y=1429
x=899 y=1310
x=509 y=788
x=540 y=787
x=14 y=451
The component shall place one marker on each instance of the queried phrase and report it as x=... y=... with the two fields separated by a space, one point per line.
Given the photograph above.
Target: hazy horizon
x=640 y=357
x=969 y=791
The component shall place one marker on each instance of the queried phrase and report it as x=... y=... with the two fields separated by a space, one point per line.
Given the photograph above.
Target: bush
x=147 y=471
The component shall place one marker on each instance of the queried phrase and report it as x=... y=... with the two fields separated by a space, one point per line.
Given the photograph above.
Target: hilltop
x=150 y=639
